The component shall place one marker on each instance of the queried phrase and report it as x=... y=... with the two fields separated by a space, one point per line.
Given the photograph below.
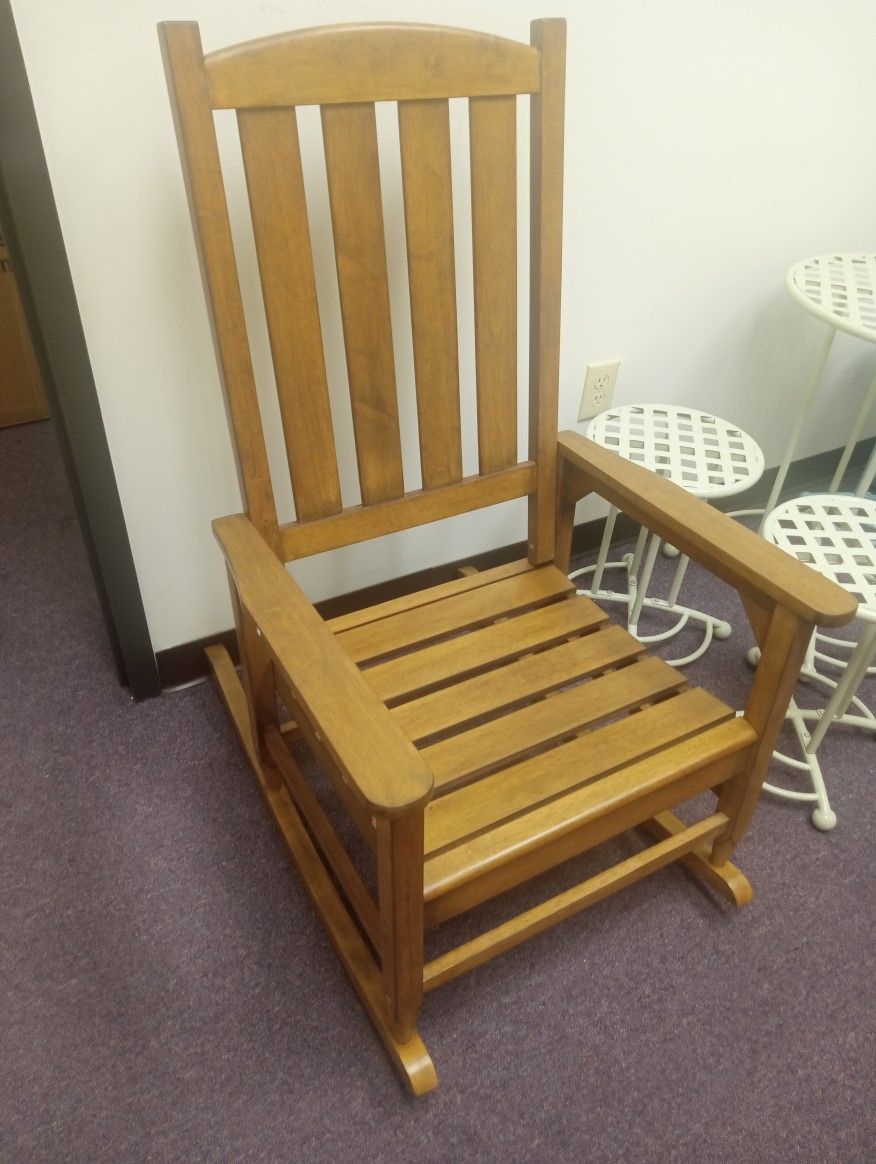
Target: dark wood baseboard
x=187 y=662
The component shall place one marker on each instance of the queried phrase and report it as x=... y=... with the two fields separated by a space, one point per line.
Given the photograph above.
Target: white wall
x=709 y=145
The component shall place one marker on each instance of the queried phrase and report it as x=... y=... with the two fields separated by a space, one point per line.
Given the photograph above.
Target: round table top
x=706 y=455
x=835 y=534
x=840 y=289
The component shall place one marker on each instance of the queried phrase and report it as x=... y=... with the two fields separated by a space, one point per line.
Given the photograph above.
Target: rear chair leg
x=258 y=673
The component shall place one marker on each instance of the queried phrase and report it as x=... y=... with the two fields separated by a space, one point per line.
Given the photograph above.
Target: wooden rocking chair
x=478 y=733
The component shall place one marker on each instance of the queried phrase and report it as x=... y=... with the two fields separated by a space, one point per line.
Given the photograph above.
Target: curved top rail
x=369 y=62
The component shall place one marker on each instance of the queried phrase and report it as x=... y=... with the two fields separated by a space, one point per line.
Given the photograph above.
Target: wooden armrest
x=730 y=551
x=381 y=764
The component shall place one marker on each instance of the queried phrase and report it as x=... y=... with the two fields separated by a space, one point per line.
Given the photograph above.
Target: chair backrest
x=345 y=70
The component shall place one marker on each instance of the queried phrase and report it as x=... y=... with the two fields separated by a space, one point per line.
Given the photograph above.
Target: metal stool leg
x=680 y=571
x=844 y=692
x=863 y=413
x=604 y=548
x=867 y=476
x=643 y=582
x=823 y=816
x=636 y=558
x=805 y=406
x=703 y=454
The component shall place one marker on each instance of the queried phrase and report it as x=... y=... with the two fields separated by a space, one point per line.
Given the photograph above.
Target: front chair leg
x=400 y=900
x=783 y=639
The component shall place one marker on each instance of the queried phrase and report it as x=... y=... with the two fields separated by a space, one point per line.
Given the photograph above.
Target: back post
x=546 y=258
x=199 y=156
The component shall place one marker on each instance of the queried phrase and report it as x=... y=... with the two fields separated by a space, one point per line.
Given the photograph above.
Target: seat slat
x=493 y=148
x=424 y=137
x=426 y=597
x=474 y=752
x=350 y=139
x=515 y=790
x=434 y=665
x=516 y=682
x=272 y=163
x=453 y=614
x=711 y=753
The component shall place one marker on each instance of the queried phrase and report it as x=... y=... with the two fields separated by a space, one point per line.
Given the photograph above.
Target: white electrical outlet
x=599 y=382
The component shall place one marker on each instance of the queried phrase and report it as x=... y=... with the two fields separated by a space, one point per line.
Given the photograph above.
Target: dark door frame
x=36 y=246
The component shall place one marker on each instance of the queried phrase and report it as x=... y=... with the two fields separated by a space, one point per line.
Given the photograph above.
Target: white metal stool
x=708 y=457
x=836 y=535
x=840 y=290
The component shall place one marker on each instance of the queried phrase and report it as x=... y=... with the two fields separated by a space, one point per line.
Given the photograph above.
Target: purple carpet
x=168 y=994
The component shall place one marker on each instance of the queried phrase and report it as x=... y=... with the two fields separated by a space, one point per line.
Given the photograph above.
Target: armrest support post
x=783 y=649
x=759 y=615
x=400 y=901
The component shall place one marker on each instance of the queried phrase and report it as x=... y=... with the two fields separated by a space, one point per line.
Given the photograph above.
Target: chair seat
x=537 y=717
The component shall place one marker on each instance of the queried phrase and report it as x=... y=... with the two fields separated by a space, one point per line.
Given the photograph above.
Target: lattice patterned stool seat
x=840 y=290
x=708 y=457
x=836 y=535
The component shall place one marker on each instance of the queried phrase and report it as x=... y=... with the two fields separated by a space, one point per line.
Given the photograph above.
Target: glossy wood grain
x=564 y=905
x=471 y=580
x=459 y=612
x=545 y=278
x=725 y=879
x=419 y=507
x=199 y=156
x=323 y=833
x=408 y=1054
x=486 y=730
x=400 y=892
x=436 y=664
x=381 y=765
x=272 y=163
x=389 y=62
x=350 y=137
x=473 y=809
x=493 y=149
x=492 y=745
x=424 y=136
x=519 y=849
x=517 y=682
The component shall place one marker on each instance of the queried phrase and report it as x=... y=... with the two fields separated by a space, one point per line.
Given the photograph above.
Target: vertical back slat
x=350 y=139
x=493 y=148
x=272 y=162
x=546 y=250
x=199 y=155
x=424 y=134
